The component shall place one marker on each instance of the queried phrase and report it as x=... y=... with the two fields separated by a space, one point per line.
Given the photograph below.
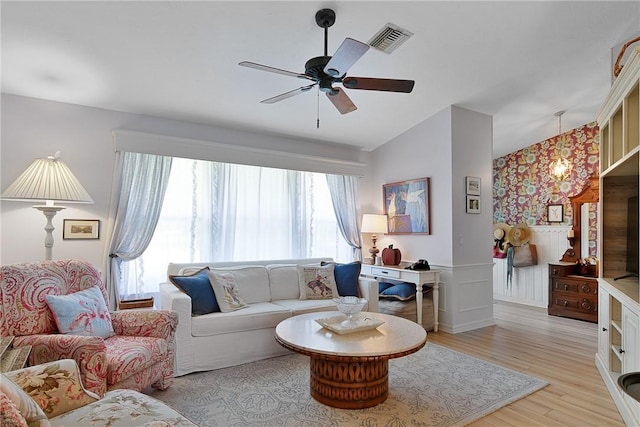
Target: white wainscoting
x=530 y=285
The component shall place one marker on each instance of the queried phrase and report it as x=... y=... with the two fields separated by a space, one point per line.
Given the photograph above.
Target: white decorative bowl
x=349 y=305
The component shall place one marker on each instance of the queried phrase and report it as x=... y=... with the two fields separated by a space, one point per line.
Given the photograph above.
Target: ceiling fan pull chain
x=318 y=109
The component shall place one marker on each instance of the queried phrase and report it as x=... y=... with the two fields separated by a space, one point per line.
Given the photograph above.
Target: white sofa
x=217 y=340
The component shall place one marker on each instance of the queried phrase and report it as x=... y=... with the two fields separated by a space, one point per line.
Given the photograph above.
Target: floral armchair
x=140 y=354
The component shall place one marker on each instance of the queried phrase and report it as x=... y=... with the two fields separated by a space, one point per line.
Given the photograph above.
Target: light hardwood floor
x=558 y=350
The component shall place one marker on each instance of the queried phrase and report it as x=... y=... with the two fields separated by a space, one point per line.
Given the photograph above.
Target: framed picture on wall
x=81 y=229
x=406 y=205
x=555 y=213
x=473 y=204
x=472 y=185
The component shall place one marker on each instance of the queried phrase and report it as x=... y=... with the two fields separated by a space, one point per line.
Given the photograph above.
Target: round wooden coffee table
x=350 y=371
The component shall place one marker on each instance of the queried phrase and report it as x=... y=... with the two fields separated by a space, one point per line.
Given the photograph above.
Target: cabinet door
x=631 y=346
x=603 y=326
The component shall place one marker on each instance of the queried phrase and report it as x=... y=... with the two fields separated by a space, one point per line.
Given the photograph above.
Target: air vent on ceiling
x=389 y=38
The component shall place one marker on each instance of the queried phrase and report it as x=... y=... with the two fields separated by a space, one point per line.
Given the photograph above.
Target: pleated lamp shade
x=48 y=180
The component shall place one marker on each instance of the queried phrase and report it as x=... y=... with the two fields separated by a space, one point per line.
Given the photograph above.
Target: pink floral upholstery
x=89 y=352
x=139 y=355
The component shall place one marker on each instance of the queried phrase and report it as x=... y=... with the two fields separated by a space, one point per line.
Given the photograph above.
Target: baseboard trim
x=465 y=327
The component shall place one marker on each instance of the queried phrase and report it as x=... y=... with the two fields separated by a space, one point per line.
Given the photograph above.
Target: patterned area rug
x=433 y=387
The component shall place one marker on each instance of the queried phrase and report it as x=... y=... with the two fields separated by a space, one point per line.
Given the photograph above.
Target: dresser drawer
x=556 y=270
x=574 y=302
x=574 y=285
x=383 y=272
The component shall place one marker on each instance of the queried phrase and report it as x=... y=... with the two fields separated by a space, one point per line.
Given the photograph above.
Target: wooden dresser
x=572 y=294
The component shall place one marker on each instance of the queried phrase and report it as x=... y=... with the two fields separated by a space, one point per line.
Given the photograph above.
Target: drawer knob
x=586 y=305
x=565 y=303
x=554 y=271
x=604 y=329
x=566 y=287
x=585 y=288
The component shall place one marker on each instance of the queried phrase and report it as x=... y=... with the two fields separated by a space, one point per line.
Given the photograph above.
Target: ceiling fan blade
x=387 y=85
x=274 y=70
x=287 y=94
x=341 y=101
x=347 y=54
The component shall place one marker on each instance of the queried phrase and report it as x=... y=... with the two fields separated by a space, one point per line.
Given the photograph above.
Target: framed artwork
x=473 y=204
x=406 y=205
x=81 y=229
x=472 y=185
x=555 y=213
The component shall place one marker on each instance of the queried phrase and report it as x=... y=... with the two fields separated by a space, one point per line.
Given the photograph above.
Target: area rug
x=433 y=387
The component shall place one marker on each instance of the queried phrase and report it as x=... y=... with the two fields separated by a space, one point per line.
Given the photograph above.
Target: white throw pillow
x=317 y=282
x=226 y=291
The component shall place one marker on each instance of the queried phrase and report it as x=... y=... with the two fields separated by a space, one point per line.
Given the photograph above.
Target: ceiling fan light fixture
x=389 y=38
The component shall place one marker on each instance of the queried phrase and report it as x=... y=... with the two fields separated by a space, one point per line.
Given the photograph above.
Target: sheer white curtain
x=143 y=180
x=226 y=212
x=345 y=195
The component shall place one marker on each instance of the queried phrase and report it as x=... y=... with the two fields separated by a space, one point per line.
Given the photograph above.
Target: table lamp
x=49 y=180
x=374 y=223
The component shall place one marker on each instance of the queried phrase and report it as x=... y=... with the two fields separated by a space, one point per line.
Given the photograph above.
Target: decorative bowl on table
x=349 y=306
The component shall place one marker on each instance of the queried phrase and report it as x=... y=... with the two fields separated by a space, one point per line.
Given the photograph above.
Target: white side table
x=418 y=277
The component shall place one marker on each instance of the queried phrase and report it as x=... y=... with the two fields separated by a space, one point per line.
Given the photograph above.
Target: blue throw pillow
x=198 y=287
x=401 y=291
x=384 y=285
x=346 y=276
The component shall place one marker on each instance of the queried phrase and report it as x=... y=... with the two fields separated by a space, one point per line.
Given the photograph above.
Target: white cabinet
x=603 y=325
x=631 y=352
x=618 y=344
x=619 y=298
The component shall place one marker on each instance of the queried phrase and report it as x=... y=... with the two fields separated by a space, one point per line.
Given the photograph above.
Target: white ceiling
x=517 y=61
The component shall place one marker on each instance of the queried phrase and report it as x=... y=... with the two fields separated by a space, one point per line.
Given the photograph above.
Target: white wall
x=446 y=147
x=33 y=128
x=422 y=151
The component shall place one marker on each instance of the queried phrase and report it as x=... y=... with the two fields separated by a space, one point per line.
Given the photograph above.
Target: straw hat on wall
x=500 y=231
x=519 y=235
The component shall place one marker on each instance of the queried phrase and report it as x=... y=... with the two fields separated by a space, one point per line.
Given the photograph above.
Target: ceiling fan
x=325 y=71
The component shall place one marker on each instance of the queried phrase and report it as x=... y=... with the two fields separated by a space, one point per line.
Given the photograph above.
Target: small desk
x=411 y=276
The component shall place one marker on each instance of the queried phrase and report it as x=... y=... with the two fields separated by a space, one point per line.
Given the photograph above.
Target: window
x=224 y=212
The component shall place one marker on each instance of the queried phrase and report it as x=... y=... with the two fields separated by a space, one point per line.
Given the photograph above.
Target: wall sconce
x=560 y=169
x=374 y=223
x=571 y=237
x=48 y=180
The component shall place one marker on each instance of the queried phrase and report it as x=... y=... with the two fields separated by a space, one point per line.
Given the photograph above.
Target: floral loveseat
x=138 y=350
x=52 y=394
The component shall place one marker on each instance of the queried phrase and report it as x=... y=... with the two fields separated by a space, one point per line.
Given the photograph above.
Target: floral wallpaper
x=523 y=187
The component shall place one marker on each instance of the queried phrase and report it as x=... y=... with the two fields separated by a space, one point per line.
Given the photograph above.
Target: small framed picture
x=555 y=213
x=81 y=229
x=472 y=184
x=473 y=204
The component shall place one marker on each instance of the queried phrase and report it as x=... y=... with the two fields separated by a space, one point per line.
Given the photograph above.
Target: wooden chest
x=572 y=295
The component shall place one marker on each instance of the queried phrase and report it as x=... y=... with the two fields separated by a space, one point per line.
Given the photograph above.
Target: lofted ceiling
x=519 y=62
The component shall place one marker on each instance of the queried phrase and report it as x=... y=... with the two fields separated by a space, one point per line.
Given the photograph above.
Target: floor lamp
x=48 y=180
x=374 y=223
